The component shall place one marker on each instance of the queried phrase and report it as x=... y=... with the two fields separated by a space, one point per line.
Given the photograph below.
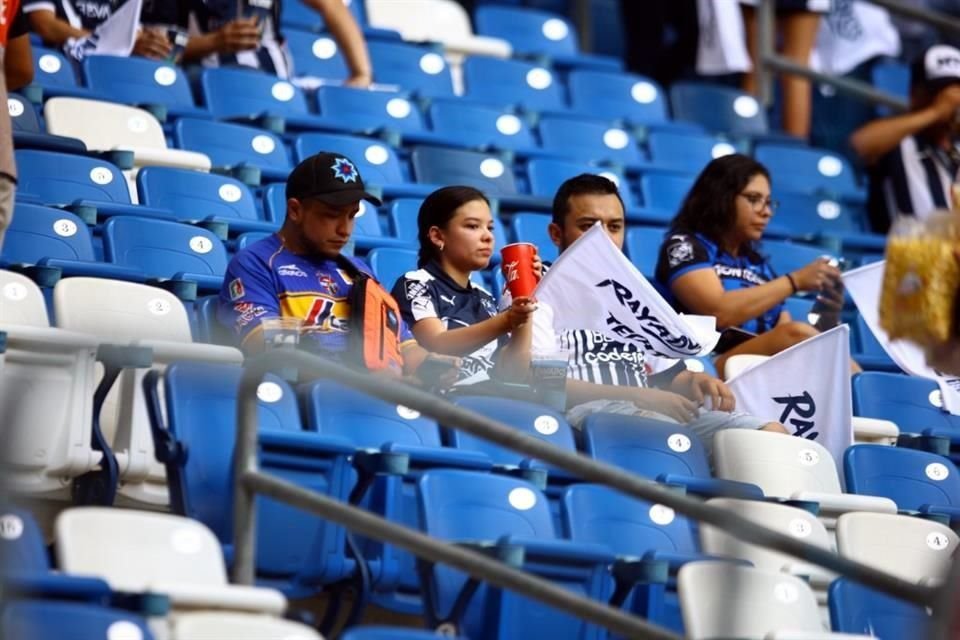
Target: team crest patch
x=328 y=283
x=415 y=289
x=344 y=170
x=681 y=252
x=236 y=289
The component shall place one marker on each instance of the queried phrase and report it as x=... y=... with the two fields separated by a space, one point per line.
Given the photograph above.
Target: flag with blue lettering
x=594 y=287
x=806 y=388
x=115 y=36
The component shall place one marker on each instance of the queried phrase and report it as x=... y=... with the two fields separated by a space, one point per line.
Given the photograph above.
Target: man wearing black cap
x=913 y=158
x=299 y=271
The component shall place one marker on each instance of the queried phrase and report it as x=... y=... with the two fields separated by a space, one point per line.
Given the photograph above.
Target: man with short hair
x=607 y=375
x=299 y=272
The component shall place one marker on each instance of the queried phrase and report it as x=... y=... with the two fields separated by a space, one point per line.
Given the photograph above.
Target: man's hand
x=520 y=312
x=668 y=403
x=242 y=34
x=153 y=44
x=359 y=81
x=698 y=387
x=947 y=103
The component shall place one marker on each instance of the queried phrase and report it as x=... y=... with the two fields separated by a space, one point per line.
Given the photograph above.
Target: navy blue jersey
x=682 y=253
x=82 y=14
x=272 y=56
x=431 y=293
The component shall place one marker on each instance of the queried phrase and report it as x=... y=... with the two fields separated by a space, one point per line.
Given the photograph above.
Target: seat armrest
x=234 y=597
x=713 y=487
x=787 y=634
x=44 y=339
x=177 y=158
x=167 y=351
x=843 y=502
x=872 y=429
x=563 y=550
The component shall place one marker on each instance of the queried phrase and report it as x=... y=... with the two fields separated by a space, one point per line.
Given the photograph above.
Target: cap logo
x=344 y=170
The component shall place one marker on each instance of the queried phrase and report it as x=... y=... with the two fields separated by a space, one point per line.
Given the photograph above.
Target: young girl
x=447 y=312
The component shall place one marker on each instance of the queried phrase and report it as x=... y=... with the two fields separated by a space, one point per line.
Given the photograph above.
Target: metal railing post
x=766 y=37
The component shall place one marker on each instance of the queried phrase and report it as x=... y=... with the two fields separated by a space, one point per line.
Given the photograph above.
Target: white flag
x=865 y=285
x=721 y=48
x=806 y=388
x=593 y=286
x=115 y=36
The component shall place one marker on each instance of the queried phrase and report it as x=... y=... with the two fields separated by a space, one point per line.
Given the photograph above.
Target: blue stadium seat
x=28 y=132
x=798 y=308
x=403 y=220
x=166 y=250
x=390 y=264
x=315 y=55
x=58 y=239
x=467 y=506
x=855 y=608
x=643 y=247
x=589 y=140
x=801 y=215
x=208 y=328
x=618 y=96
x=539 y=33
x=360 y=110
x=295 y=550
x=916 y=480
x=517 y=83
x=659 y=450
x=68 y=179
x=810 y=171
x=718 y=109
x=139 y=81
x=532 y=227
x=892 y=76
x=46 y=620
x=57 y=76
x=665 y=191
x=295 y=14
x=275 y=202
x=688 y=152
x=868 y=351
x=479 y=126
x=490 y=174
x=790 y=256
x=410 y=67
x=376 y=161
x=194 y=195
x=233 y=92
x=233 y=145
x=244 y=240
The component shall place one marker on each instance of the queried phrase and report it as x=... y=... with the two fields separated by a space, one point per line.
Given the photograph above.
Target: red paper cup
x=517 y=266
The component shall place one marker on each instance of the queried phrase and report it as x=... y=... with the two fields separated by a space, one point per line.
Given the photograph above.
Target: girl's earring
x=441 y=247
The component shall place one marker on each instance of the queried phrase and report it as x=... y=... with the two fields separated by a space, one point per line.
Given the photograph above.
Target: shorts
x=798 y=6
x=7 y=190
x=706 y=425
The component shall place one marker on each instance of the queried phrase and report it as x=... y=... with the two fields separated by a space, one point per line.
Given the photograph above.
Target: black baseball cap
x=329 y=177
x=937 y=68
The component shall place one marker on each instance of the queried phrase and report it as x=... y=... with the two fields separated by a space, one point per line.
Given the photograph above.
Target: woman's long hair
x=437 y=211
x=710 y=208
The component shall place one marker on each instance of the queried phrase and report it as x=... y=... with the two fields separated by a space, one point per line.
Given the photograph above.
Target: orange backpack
x=374 y=338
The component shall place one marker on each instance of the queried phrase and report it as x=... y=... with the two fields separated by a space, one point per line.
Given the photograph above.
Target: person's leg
x=799 y=31
x=7 y=190
x=750 y=31
x=781 y=337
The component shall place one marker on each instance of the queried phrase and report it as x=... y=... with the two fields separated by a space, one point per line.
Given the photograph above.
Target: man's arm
x=346 y=32
x=241 y=34
x=665 y=402
x=877 y=138
x=51 y=29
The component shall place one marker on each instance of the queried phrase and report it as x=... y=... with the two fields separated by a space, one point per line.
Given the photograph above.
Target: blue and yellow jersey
x=267 y=281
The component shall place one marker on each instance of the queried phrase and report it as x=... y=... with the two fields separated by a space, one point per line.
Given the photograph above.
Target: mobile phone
x=432 y=370
x=732 y=337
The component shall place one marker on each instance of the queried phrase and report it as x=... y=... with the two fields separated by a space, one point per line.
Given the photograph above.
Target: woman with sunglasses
x=709 y=263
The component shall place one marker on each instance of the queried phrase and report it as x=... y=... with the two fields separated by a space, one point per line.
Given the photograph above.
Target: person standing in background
x=661 y=38
x=797 y=23
x=18 y=72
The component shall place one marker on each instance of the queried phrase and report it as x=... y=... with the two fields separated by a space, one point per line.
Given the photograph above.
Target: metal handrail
x=249 y=480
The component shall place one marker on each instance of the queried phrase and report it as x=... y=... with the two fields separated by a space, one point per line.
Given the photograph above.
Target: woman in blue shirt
x=709 y=263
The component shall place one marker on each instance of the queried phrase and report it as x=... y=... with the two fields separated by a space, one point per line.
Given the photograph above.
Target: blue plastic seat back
x=803 y=214
x=195 y=195
x=390 y=633
x=718 y=108
x=23 y=115
x=910 y=477
x=163 y=248
x=867 y=343
x=390 y=264
x=403 y=214
x=62 y=178
x=232 y=144
x=907 y=400
x=591 y=140
x=643 y=248
x=533 y=419
x=855 y=608
x=613 y=96
x=546 y=176
x=687 y=152
x=22 y=548
x=315 y=54
x=477 y=125
x=376 y=161
x=892 y=76
x=296 y=14
x=53 y=70
x=137 y=80
x=789 y=256
x=532 y=227
x=665 y=191
x=244 y=240
x=644 y=446
x=630 y=527
x=38 y=232
x=52 y=620
x=208 y=328
x=490 y=174
x=275 y=203
x=360 y=109
x=517 y=83
x=798 y=308
x=527 y=30
x=411 y=67
x=807 y=170
x=242 y=92
x=366 y=421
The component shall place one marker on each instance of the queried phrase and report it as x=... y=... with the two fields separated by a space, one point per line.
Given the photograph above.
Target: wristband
x=793 y=283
